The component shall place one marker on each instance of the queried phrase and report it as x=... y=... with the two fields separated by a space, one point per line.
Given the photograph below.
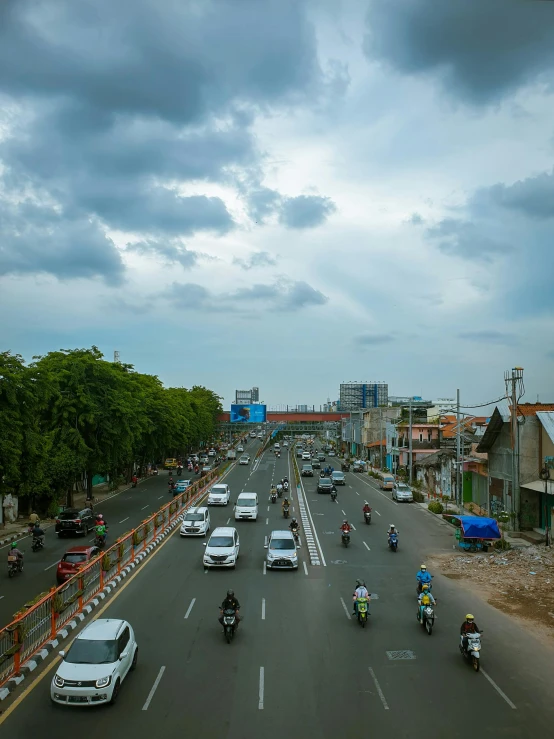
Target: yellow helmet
x=470 y=617
x=423 y=567
x=425 y=587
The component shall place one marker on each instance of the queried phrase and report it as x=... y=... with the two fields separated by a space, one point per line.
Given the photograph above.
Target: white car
x=245 y=459
x=222 y=549
x=240 y=449
x=306 y=455
x=196 y=522
x=331 y=452
x=402 y=492
x=96 y=664
x=211 y=453
x=260 y=436
x=285 y=443
x=276 y=445
x=219 y=494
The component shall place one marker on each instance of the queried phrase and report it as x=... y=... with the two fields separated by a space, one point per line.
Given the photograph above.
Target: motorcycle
x=274 y=497
x=322 y=473
x=367 y=517
x=286 y=511
x=362 y=611
x=15 y=564
x=393 y=542
x=155 y=471
x=286 y=487
x=345 y=538
x=229 y=624
x=179 y=471
x=295 y=534
x=426 y=616
x=135 y=483
x=99 y=541
x=280 y=491
x=333 y=495
x=37 y=544
x=473 y=651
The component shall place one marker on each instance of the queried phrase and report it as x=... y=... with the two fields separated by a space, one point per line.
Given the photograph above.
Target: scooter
x=426 y=616
x=100 y=541
x=333 y=495
x=280 y=491
x=345 y=538
x=367 y=517
x=15 y=565
x=229 y=624
x=37 y=544
x=393 y=542
x=295 y=534
x=362 y=611
x=155 y=471
x=473 y=651
x=285 y=511
x=274 y=497
x=286 y=486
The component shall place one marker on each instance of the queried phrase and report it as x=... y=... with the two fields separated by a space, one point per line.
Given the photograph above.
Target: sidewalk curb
x=31 y=665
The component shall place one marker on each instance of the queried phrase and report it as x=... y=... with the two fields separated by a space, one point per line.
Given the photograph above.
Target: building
x=356 y=396
x=376 y=421
x=247 y=397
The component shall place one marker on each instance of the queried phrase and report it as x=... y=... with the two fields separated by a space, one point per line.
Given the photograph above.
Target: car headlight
x=103 y=682
x=293 y=555
x=58 y=681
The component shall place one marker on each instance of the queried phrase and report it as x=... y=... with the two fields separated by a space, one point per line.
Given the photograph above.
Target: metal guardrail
x=38 y=623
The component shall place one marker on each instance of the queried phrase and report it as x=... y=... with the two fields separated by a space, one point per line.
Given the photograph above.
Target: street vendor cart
x=475 y=533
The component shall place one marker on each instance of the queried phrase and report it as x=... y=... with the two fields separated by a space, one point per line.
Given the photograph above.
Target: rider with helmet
x=346 y=528
x=14 y=551
x=230 y=602
x=360 y=592
x=392 y=530
x=425 y=598
x=293 y=525
x=468 y=627
x=423 y=577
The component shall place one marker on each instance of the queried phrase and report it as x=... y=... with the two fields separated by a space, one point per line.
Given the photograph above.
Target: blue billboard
x=248 y=413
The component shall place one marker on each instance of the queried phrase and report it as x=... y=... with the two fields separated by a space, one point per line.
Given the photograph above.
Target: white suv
x=219 y=494
x=281 y=551
x=196 y=522
x=96 y=664
x=222 y=549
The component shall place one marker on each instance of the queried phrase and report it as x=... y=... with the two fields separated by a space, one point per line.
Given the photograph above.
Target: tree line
x=70 y=415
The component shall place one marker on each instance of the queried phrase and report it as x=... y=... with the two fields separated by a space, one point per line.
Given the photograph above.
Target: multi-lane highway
x=300 y=665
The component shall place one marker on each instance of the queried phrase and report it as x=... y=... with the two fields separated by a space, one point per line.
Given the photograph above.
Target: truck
x=231 y=454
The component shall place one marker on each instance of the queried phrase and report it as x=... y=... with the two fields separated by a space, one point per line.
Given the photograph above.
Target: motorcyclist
x=423 y=577
x=293 y=525
x=346 y=528
x=360 y=592
x=273 y=491
x=366 y=508
x=425 y=598
x=135 y=481
x=468 y=627
x=101 y=520
x=170 y=482
x=230 y=602
x=17 y=552
x=285 y=503
x=38 y=533
x=392 y=530
x=34 y=518
x=101 y=531
x=279 y=488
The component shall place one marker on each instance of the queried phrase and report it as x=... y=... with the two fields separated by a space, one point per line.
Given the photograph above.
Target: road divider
x=312 y=542
x=42 y=621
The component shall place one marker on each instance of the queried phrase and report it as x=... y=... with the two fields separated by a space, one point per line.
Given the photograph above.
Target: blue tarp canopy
x=475 y=527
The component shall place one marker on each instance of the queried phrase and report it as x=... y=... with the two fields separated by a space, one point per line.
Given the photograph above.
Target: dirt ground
x=519 y=582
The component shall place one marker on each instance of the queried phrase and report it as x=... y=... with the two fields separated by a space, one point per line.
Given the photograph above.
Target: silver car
x=402 y=493
x=281 y=551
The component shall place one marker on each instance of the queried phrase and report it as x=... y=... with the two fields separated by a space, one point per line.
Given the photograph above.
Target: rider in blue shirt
x=423 y=577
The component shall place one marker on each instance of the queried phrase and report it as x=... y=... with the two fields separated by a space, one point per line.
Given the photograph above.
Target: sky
x=289 y=194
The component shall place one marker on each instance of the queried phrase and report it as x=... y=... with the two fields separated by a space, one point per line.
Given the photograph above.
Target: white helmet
x=392 y=526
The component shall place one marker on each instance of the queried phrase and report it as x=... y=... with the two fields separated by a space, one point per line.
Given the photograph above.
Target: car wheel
x=115 y=692
x=135 y=660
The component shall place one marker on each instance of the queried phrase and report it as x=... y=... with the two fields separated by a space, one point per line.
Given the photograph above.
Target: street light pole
x=458 y=495
x=410 y=445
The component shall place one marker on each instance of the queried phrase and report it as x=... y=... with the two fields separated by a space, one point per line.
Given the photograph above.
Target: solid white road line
x=125 y=519
x=261 y=690
x=498 y=690
x=153 y=690
x=55 y=564
x=265 y=568
x=381 y=694
x=345 y=609
x=305 y=570
x=366 y=546
x=263 y=609
x=193 y=601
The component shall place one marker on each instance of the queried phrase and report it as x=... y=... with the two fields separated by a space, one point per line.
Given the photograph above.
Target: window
x=123 y=640
x=429 y=435
x=421 y=435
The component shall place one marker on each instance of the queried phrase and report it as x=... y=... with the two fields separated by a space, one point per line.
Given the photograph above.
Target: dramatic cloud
x=373 y=339
x=481 y=51
x=466 y=240
x=488 y=337
x=256 y=259
x=306 y=211
x=170 y=252
x=262 y=203
x=533 y=197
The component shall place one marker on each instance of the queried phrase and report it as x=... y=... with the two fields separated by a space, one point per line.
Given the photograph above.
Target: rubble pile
x=517 y=581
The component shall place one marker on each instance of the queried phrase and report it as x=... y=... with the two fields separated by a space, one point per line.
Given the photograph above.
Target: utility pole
x=410 y=447
x=514 y=385
x=381 y=438
x=459 y=494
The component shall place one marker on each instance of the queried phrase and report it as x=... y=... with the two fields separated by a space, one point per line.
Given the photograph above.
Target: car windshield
x=217 y=491
x=221 y=541
x=68 y=515
x=92 y=652
x=403 y=488
x=246 y=502
x=326 y=481
x=195 y=517
x=307 y=467
x=74 y=557
x=282 y=544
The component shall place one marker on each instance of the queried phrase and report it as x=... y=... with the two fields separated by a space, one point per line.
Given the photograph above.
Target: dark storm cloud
x=533 y=197
x=170 y=252
x=488 y=337
x=373 y=339
x=305 y=211
x=467 y=240
x=38 y=239
x=283 y=295
x=482 y=51
x=256 y=259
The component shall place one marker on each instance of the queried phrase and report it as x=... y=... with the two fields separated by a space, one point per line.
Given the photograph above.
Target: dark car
x=307 y=470
x=75 y=521
x=316 y=464
x=321 y=457
x=325 y=485
x=73 y=560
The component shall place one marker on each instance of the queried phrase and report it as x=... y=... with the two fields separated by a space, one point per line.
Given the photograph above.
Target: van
x=387 y=482
x=231 y=454
x=246 y=507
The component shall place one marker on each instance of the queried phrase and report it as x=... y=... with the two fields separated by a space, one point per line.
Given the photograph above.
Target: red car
x=73 y=560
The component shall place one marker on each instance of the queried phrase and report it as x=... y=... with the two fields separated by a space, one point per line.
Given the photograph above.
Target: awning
x=538 y=486
x=475 y=527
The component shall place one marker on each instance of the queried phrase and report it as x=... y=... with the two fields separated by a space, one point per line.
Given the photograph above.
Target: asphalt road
x=300 y=666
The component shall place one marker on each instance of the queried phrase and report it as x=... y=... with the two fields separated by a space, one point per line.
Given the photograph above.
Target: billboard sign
x=252 y=413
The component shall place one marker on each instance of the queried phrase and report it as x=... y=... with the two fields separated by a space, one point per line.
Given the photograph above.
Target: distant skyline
x=282 y=193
